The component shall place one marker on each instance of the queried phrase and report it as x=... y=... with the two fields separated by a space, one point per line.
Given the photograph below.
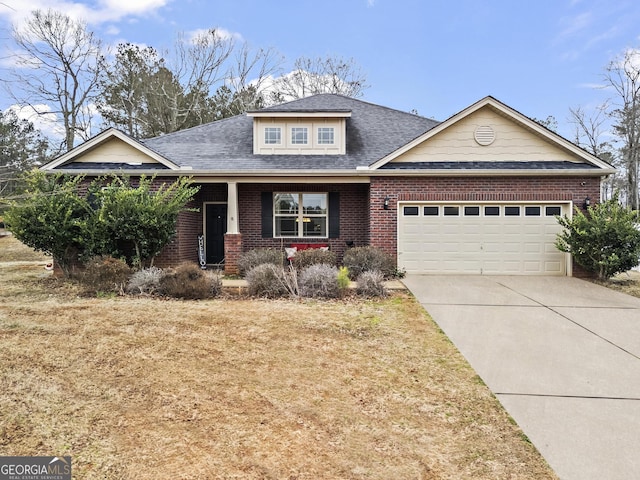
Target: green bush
x=105 y=274
x=605 y=241
x=63 y=216
x=319 y=281
x=313 y=256
x=188 y=281
x=343 y=278
x=267 y=280
x=253 y=258
x=371 y=284
x=365 y=259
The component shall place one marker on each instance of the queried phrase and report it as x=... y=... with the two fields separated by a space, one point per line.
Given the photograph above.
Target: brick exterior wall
x=360 y=223
x=354 y=215
x=232 y=252
x=184 y=246
x=504 y=189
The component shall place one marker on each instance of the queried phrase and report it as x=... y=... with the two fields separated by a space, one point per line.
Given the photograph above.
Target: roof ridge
x=195 y=127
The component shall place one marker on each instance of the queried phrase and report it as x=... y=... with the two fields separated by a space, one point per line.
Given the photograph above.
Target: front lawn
x=246 y=389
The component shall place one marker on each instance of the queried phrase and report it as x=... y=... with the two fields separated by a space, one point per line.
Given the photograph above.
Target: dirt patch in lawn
x=246 y=389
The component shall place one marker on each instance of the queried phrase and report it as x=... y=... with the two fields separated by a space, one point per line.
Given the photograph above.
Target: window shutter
x=334 y=214
x=267 y=215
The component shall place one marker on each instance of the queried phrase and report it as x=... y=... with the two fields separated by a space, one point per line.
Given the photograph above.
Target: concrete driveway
x=561 y=354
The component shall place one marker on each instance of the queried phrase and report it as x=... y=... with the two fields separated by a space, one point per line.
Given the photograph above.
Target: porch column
x=233 y=237
x=232 y=208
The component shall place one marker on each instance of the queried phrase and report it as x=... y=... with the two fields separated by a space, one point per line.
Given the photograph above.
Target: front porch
x=235 y=217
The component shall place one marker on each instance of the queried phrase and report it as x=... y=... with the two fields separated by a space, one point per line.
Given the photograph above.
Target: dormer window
x=308 y=132
x=326 y=136
x=299 y=136
x=272 y=136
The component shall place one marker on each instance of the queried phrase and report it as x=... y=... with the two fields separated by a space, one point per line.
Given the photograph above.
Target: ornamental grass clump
x=371 y=284
x=145 y=281
x=259 y=256
x=267 y=280
x=104 y=274
x=188 y=281
x=319 y=281
x=313 y=256
x=365 y=259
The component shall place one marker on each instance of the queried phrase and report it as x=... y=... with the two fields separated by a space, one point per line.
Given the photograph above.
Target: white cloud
x=221 y=33
x=94 y=14
x=42 y=118
x=575 y=25
x=112 y=30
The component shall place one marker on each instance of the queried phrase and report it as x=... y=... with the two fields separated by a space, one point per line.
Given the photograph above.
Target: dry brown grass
x=245 y=389
x=628 y=283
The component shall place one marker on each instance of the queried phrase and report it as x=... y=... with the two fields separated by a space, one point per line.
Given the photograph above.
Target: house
x=476 y=194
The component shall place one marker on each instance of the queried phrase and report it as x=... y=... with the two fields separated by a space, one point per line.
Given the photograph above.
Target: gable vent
x=484 y=135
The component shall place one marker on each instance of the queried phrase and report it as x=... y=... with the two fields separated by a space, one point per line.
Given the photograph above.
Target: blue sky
x=436 y=57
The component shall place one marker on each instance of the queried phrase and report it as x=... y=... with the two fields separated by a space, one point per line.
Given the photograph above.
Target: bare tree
x=623 y=76
x=56 y=70
x=249 y=75
x=589 y=132
x=311 y=76
x=197 y=65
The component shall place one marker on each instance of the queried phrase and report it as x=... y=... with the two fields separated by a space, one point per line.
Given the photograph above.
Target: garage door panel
x=522 y=244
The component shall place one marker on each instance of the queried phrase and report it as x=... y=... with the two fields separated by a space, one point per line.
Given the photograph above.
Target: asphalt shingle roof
x=373 y=132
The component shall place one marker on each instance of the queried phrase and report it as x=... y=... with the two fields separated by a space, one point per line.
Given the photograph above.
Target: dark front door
x=216 y=223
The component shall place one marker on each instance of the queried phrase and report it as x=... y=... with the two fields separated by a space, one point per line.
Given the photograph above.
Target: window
x=431 y=211
x=471 y=211
x=491 y=211
x=325 y=136
x=451 y=211
x=552 y=211
x=511 y=211
x=299 y=136
x=411 y=211
x=300 y=214
x=532 y=211
x=272 y=136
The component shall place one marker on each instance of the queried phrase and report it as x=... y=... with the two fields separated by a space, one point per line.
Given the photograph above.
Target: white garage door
x=485 y=239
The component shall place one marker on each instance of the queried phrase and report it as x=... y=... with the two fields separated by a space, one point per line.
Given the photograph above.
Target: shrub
x=371 y=284
x=319 y=281
x=343 y=278
x=105 y=274
x=266 y=280
x=313 y=256
x=365 y=259
x=186 y=281
x=145 y=281
x=259 y=256
x=605 y=242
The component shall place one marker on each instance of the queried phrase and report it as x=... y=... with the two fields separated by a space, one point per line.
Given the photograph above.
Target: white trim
x=568 y=207
x=300 y=215
x=99 y=140
x=508 y=112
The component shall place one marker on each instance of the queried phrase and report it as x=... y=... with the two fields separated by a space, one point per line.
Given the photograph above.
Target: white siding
x=513 y=142
x=114 y=151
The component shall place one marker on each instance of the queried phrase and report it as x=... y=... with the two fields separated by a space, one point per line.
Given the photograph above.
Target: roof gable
x=489 y=131
x=113 y=149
